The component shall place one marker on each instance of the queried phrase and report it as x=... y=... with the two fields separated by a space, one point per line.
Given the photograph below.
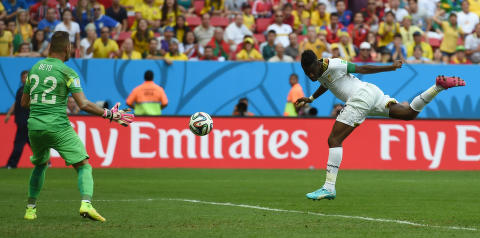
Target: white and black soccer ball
x=200 y=123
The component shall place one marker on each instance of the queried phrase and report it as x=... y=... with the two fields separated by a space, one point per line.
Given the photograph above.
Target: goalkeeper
x=46 y=92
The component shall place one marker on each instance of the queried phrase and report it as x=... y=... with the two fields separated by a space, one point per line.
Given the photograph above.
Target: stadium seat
x=198 y=5
x=260 y=38
x=219 y=21
x=193 y=21
x=130 y=20
x=434 y=42
x=123 y=36
x=301 y=38
x=262 y=24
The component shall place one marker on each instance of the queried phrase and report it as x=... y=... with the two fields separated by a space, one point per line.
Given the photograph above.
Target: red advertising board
x=276 y=143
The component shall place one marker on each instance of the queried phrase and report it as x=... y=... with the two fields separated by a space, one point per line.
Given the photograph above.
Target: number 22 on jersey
x=35 y=79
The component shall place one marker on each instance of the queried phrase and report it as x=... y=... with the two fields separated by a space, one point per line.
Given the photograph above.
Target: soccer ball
x=200 y=123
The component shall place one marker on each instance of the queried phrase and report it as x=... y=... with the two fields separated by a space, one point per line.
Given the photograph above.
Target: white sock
x=334 y=160
x=31 y=205
x=424 y=98
x=86 y=201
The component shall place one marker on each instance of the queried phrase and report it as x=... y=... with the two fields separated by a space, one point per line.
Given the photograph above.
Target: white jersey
x=337 y=79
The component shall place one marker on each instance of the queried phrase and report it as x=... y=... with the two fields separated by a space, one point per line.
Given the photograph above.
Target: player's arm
x=10 y=112
x=301 y=101
x=86 y=105
x=25 y=102
x=120 y=116
x=372 y=69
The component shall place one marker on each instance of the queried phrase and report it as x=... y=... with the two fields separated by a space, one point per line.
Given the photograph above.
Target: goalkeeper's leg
x=85 y=185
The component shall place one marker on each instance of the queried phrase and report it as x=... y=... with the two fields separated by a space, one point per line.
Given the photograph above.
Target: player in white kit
x=361 y=99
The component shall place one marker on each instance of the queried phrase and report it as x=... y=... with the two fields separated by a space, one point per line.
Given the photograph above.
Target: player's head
x=310 y=65
x=60 y=46
x=23 y=76
x=148 y=76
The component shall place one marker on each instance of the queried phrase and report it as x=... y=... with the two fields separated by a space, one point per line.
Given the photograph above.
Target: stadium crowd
x=417 y=31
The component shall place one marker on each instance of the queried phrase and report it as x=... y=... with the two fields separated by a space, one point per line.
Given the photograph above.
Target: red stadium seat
x=198 y=5
x=260 y=38
x=123 y=36
x=130 y=20
x=434 y=42
x=193 y=21
x=73 y=3
x=219 y=21
x=262 y=24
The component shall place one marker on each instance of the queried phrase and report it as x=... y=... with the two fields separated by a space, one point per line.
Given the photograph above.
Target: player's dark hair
x=272 y=32
x=59 y=42
x=308 y=58
x=148 y=75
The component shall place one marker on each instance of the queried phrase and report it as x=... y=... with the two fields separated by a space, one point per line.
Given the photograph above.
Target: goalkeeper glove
x=121 y=116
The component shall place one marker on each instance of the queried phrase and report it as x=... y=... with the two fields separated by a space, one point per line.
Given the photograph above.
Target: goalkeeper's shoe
x=322 y=193
x=31 y=213
x=87 y=211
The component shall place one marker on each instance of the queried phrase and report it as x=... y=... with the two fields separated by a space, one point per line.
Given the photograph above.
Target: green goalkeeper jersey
x=49 y=83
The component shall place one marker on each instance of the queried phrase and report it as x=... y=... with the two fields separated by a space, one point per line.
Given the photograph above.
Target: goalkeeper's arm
x=86 y=105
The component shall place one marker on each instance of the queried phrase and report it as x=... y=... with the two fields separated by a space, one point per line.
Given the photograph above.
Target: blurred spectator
x=262 y=8
x=147 y=10
x=181 y=28
x=167 y=39
x=437 y=56
x=417 y=41
x=417 y=57
x=301 y=17
x=119 y=14
x=170 y=11
x=208 y=54
x=105 y=21
x=344 y=14
x=295 y=93
x=235 y=32
x=3 y=13
x=292 y=48
x=17 y=37
x=86 y=42
x=13 y=8
x=347 y=51
x=388 y=29
x=23 y=27
x=141 y=37
x=71 y=27
x=364 y=55
x=83 y=13
x=394 y=7
x=313 y=43
x=26 y=51
x=204 y=32
x=104 y=47
x=472 y=44
x=466 y=19
x=330 y=4
x=358 y=30
x=397 y=48
x=38 y=11
x=322 y=36
x=249 y=53
x=128 y=52
x=241 y=109
x=372 y=14
x=235 y=6
x=268 y=47
x=288 y=18
x=174 y=54
x=6 y=39
x=419 y=16
x=337 y=108
x=386 y=55
x=61 y=6
x=333 y=29
x=49 y=22
x=451 y=33
x=153 y=52
x=407 y=30
x=474 y=6
x=20 y=116
x=460 y=56
x=282 y=30
x=220 y=48
x=187 y=5
x=214 y=7
x=280 y=55
x=320 y=16
x=148 y=99
x=40 y=43
x=94 y=2
x=129 y=4
x=248 y=18
x=372 y=40
x=191 y=47
x=72 y=107
x=450 y=6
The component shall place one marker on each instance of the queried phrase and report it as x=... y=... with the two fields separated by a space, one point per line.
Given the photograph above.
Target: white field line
x=280 y=210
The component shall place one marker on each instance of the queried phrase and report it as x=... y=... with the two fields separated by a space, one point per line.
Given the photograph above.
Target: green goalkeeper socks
x=36 y=183
x=85 y=181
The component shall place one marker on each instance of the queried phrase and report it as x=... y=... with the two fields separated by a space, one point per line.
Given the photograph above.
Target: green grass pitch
x=141 y=203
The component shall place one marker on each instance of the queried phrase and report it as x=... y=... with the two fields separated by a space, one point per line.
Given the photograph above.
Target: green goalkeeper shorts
x=65 y=141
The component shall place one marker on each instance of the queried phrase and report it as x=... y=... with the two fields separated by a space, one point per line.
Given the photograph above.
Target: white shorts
x=369 y=100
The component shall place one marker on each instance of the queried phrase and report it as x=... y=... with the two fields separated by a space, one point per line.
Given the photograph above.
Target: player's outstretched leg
x=400 y=111
x=37 y=178
x=85 y=185
x=339 y=132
